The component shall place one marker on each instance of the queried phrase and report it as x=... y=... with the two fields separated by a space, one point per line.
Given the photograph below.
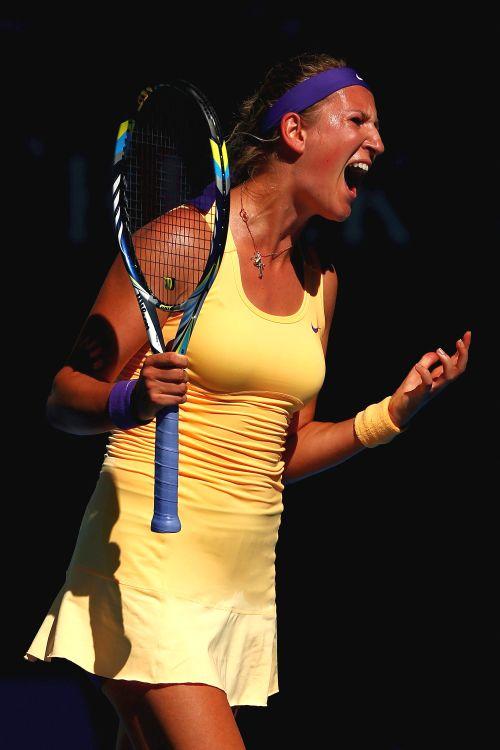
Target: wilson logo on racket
x=169 y=282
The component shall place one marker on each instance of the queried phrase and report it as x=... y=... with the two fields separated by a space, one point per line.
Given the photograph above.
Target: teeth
x=360 y=165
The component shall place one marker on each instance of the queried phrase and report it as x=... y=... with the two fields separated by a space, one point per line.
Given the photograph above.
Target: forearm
x=78 y=403
x=319 y=446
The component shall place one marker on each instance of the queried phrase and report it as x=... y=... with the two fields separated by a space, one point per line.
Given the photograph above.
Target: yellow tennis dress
x=198 y=605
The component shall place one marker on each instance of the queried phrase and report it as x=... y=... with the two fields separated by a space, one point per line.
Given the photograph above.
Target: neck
x=273 y=218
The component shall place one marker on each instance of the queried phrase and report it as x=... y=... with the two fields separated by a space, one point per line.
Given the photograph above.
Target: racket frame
x=165 y=518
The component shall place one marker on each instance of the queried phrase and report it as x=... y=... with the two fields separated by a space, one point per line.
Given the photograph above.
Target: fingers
x=450 y=368
x=446 y=363
x=424 y=374
x=168 y=359
x=463 y=351
x=455 y=365
x=153 y=396
x=172 y=375
x=177 y=394
x=168 y=367
x=461 y=356
x=163 y=381
x=463 y=344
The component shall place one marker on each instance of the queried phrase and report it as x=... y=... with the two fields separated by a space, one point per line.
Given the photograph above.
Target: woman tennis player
x=181 y=628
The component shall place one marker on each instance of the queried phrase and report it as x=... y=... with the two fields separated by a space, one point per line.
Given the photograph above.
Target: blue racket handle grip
x=166 y=518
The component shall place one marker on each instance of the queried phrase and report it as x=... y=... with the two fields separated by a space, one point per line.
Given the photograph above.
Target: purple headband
x=308 y=92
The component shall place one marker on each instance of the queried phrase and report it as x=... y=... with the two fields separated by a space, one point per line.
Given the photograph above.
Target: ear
x=293 y=132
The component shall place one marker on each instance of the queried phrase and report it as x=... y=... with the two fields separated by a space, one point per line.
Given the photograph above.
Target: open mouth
x=354 y=176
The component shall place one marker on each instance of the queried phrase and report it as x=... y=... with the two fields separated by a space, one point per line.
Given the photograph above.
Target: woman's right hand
x=163 y=381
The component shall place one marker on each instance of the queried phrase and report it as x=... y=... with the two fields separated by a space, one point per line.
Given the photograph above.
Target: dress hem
x=28 y=656
x=124 y=633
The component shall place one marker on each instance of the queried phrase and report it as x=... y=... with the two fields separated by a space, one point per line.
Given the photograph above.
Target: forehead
x=352 y=97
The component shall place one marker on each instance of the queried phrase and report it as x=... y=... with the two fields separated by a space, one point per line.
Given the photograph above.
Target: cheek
x=331 y=166
x=333 y=158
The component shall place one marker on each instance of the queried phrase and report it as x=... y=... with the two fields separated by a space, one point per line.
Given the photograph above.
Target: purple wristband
x=119 y=407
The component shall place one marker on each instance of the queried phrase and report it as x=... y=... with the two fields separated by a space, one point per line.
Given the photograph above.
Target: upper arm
x=114 y=329
x=330 y=287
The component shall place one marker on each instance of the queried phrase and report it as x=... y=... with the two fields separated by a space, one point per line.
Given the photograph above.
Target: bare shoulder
x=178 y=240
x=181 y=225
x=330 y=283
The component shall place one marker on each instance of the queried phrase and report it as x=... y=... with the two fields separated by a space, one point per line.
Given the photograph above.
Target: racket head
x=171 y=196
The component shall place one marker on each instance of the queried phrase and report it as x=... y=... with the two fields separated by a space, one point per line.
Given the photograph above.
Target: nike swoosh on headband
x=308 y=92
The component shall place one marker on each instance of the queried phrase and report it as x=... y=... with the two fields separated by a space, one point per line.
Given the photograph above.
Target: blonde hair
x=248 y=150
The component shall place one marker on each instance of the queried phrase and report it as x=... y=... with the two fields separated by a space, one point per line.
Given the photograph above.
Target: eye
x=358 y=120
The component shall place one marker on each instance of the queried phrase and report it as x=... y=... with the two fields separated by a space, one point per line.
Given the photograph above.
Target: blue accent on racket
x=170 y=164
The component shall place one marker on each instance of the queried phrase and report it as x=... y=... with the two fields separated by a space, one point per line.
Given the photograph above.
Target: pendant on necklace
x=257 y=261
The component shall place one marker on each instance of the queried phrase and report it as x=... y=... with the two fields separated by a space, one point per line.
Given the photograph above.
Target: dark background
x=382 y=562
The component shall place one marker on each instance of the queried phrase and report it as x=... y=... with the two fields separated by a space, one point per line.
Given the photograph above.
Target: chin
x=339 y=209
x=337 y=215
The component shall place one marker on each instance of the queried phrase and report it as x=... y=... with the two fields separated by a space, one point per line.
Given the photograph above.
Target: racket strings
x=164 y=176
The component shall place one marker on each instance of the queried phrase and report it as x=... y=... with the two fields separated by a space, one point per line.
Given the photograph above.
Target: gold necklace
x=257 y=256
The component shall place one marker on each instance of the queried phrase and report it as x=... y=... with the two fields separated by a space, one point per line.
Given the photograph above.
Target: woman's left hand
x=421 y=385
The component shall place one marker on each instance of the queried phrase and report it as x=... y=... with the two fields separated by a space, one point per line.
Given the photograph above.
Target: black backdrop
x=382 y=600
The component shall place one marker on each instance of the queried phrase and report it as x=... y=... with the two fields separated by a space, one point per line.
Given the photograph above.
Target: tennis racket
x=171 y=214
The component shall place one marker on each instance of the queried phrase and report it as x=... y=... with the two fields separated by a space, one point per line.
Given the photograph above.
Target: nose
x=374 y=142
